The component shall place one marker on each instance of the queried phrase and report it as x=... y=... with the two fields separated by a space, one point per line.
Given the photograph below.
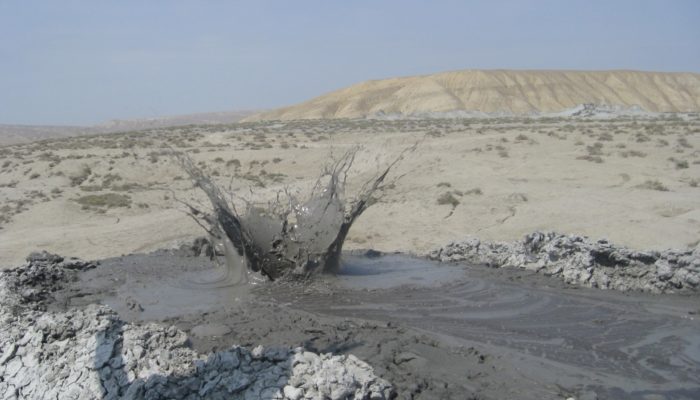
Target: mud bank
x=90 y=353
x=580 y=261
x=443 y=331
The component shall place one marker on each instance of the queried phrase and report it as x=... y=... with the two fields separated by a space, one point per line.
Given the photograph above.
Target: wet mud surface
x=433 y=330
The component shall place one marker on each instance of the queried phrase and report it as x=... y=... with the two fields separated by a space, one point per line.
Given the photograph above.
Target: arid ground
x=634 y=182
x=451 y=330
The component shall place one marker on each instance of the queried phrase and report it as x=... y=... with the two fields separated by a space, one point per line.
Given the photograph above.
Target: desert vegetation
x=470 y=168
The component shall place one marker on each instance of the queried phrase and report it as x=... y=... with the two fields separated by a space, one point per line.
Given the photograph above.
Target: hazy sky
x=83 y=62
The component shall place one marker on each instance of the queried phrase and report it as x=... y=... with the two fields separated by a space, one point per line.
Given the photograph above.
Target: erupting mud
x=289 y=236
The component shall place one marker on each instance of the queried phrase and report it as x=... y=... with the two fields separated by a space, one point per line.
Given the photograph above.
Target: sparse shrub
x=683 y=142
x=605 y=137
x=633 y=153
x=475 y=192
x=595 y=159
x=681 y=164
x=653 y=185
x=11 y=184
x=448 y=198
x=595 y=150
x=517 y=197
x=80 y=176
x=126 y=187
x=641 y=138
x=107 y=200
x=109 y=179
x=34 y=175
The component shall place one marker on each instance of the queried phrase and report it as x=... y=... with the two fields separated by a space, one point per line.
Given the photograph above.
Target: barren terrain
x=634 y=182
x=14 y=134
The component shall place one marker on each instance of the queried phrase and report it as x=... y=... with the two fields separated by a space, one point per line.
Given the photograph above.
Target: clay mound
x=501 y=91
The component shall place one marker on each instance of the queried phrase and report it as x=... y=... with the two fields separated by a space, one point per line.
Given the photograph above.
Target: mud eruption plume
x=289 y=236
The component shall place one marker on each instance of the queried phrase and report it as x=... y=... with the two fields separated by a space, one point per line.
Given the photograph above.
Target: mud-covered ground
x=432 y=330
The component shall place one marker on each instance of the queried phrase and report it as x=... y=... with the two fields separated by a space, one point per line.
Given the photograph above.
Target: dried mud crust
x=90 y=353
x=580 y=261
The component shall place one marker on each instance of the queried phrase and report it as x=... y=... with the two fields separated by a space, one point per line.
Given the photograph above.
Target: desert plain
x=632 y=181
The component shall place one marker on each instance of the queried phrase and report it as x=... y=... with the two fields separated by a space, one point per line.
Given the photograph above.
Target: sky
x=85 y=62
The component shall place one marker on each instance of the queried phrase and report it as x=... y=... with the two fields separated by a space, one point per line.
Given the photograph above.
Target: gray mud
x=50 y=350
x=441 y=331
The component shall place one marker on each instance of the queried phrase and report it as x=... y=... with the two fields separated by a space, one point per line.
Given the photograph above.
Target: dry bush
x=653 y=185
x=448 y=198
x=81 y=176
x=107 y=200
x=633 y=153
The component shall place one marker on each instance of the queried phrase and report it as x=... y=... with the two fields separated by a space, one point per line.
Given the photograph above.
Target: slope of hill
x=502 y=91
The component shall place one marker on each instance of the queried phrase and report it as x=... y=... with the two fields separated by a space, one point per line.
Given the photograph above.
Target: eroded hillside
x=502 y=91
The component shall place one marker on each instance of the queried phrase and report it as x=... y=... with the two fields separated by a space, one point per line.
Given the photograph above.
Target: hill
x=502 y=92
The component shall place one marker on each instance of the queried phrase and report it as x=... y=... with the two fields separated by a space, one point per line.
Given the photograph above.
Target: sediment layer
x=501 y=91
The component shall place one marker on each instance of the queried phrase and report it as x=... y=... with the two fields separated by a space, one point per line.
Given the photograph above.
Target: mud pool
x=489 y=332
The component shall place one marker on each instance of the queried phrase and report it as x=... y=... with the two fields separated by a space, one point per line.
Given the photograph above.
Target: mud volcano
x=288 y=236
x=174 y=324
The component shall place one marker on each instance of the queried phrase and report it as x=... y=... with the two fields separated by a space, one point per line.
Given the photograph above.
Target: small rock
x=293 y=393
x=257 y=352
x=7 y=353
x=663 y=270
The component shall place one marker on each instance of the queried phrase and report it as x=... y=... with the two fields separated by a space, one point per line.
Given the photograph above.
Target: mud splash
x=288 y=237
